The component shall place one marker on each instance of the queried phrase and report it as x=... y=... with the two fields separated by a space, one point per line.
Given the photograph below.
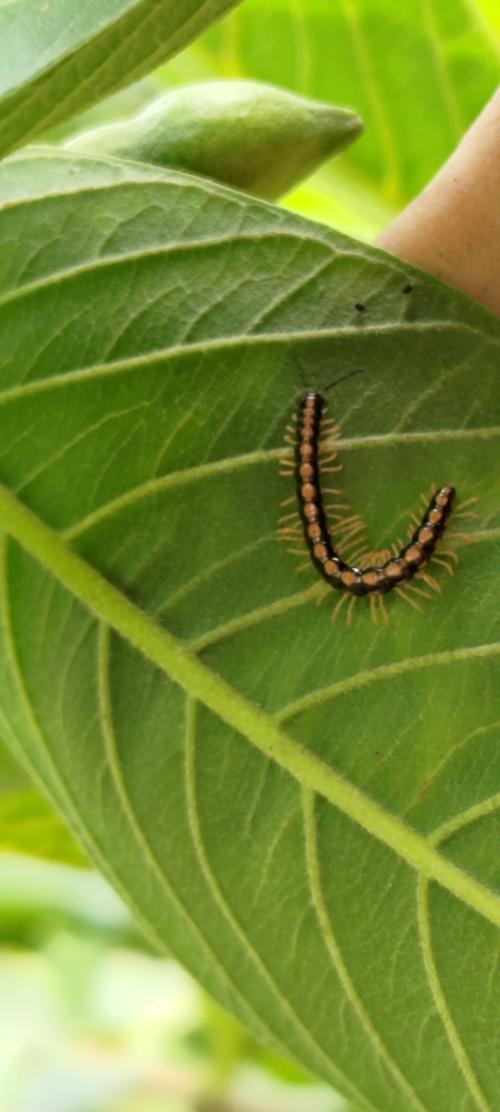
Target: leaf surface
x=57 y=59
x=306 y=815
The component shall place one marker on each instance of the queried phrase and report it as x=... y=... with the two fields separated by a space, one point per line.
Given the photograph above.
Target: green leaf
x=444 y=64
x=305 y=814
x=252 y=136
x=12 y=778
x=28 y=823
x=56 y=60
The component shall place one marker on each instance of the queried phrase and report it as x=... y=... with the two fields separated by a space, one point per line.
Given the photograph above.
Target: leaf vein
x=178 y=247
x=385 y=672
x=336 y=956
x=133 y=363
x=58 y=789
x=196 y=832
x=136 y=827
x=453 y=1036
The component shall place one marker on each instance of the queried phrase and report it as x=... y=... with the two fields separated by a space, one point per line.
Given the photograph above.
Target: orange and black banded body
x=397 y=570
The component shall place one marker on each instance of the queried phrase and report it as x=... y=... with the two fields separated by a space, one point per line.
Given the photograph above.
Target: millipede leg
x=444 y=563
x=373 y=608
x=322 y=596
x=336 y=610
x=287 y=517
x=350 y=608
x=374 y=557
x=350 y=533
x=462 y=538
x=341 y=516
x=345 y=535
x=411 y=602
x=383 y=609
x=432 y=583
x=448 y=552
x=357 y=557
x=414 y=590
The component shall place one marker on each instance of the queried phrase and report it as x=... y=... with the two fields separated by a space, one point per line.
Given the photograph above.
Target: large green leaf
x=306 y=815
x=417 y=73
x=57 y=59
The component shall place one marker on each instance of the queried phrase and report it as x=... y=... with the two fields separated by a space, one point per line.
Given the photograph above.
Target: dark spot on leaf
x=360 y=307
x=408 y=288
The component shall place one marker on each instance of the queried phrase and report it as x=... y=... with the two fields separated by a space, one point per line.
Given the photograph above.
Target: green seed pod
x=255 y=137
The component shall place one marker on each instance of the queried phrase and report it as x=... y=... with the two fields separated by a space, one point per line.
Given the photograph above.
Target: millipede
x=365 y=573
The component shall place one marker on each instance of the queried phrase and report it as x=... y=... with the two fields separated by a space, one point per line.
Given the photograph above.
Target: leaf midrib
x=170 y=655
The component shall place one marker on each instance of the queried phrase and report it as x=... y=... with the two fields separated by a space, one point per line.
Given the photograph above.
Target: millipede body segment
x=356 y=581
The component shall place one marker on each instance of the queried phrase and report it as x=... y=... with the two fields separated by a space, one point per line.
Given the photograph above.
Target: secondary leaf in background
x=416 y=73
x=12 y=778
x=56 y=59
x=162 y=665
x=248 y=135
x=28 y=824
x=36 y=895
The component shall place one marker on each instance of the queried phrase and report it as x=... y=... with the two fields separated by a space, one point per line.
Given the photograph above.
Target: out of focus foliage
x=417 y=74
x=90 y=1022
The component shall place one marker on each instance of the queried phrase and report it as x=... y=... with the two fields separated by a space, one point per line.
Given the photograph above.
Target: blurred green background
x=90 y=1020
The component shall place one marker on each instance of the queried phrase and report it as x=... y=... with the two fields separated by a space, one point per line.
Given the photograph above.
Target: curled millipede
x=395 y=568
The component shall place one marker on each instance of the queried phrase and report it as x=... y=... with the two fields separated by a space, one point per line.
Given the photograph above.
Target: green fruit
x=255 y=137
